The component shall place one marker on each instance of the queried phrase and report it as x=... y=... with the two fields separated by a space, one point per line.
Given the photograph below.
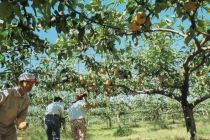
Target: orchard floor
x=142 y=131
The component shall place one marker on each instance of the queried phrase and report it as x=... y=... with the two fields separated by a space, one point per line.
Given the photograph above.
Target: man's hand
x=22 y=125
x=63 y=123
x=94 y=105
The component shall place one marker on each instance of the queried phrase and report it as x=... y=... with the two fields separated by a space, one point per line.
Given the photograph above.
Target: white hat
x=27 y=77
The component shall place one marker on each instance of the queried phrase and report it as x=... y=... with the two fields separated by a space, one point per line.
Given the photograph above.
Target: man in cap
x=54 y=116
x=14 y=104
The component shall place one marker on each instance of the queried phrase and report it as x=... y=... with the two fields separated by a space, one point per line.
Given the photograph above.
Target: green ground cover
x=142 y=131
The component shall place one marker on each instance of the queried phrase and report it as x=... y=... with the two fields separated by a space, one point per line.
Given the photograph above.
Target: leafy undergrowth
x=123 y=131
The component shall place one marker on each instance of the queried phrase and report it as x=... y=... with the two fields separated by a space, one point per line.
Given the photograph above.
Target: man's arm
x=62 y=117
x=88 y=106
x=61 y=111
x=20 y=121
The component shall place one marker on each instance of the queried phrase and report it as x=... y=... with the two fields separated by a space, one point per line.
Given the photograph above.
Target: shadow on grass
x=158 y=125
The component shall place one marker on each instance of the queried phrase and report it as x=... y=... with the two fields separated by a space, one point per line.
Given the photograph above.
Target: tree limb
x=196 y=102
x=156 y=30
x=152 y=92
x=201 y=63
x=190 y=58
x=197 y=43
x=169 y=30
x=207 y=38
x=159 y=92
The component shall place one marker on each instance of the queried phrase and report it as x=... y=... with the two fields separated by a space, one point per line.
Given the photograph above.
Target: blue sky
x=51 y=35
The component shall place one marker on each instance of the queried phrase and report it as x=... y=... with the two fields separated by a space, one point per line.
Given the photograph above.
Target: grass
x=144 y=131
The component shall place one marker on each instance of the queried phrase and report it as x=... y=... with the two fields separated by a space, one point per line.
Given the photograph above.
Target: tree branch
x=201 y=63
x=152 y=92
x=205 y=34
x=169 y=30
x=207 y=38
x=159 y=92
x=196 y=102
x=207 y=48
x=137 y=2
x=197 y=43
x=190 y=58
x=155 y=30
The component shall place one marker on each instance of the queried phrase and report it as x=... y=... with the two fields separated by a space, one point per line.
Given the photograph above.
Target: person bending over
x=14 y=104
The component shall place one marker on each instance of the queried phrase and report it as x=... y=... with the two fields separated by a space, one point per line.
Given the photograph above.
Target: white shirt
x=76 y=110
x=55 y=108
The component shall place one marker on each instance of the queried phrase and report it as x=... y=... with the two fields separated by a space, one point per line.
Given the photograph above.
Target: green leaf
x=61 y=7
x=17 y=11
x=187 y=40
x=2 y=35
x=2 y=58
x=81 y=5
x=118 y=39
x=181 y=28
x=200 y=23
x=162 y=24
x=5 y=10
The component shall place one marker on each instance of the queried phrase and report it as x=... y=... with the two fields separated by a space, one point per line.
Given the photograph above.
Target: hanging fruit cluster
x=140 y=19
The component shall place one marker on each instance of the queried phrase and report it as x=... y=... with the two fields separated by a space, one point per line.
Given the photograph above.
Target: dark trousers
x=52 y=127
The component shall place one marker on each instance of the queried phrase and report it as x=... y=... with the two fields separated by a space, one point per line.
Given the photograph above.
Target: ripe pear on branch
x=140 y=18
x=108 y=82
x=190 y=6
x=102 y=71
x=81 y=79
x=138 y=80
x=133 y=26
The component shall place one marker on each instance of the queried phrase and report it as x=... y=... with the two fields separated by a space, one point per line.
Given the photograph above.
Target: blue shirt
x=76 y=110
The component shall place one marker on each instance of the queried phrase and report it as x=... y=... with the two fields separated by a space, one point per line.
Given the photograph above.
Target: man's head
x=26 y=81
x=80 y=96
x=58 y=99
x=27 y=77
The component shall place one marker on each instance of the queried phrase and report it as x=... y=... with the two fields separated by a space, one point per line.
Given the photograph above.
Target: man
x=14 y=104
x=54 y=116
x=76 y=114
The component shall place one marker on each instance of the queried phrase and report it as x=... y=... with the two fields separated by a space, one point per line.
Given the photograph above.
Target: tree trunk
x=189 y=120
x=109 y=122
x=118 y=119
